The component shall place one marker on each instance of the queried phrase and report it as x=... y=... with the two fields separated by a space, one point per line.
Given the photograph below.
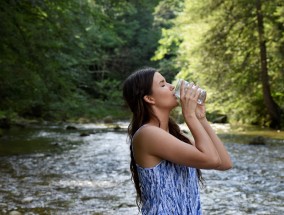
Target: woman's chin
x=177 y=103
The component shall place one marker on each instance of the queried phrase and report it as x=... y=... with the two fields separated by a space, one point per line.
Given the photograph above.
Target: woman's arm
x=152 y=144
x=226 y=162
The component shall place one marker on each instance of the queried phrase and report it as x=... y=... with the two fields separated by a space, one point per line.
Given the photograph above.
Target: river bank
x=111 y=121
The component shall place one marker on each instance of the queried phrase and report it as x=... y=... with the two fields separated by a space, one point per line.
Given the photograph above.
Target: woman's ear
x=149 y=99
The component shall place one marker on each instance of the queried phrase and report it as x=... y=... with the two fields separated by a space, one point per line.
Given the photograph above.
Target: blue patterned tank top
x=169 y=189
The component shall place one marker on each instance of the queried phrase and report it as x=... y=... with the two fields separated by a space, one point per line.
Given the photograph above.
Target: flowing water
x=50 y=170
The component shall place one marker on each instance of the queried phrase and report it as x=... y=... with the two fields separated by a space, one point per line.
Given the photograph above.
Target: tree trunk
x=273 y=109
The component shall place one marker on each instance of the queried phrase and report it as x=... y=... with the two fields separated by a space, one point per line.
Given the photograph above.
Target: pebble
x=15 y=213
x=28 y=199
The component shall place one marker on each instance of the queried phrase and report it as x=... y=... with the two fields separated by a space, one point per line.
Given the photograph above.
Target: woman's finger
x=182 y=88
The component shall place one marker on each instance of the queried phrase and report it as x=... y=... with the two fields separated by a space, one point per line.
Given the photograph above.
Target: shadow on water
x=48 y=169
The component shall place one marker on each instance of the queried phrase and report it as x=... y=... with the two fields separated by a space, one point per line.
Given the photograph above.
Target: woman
x=165 y=163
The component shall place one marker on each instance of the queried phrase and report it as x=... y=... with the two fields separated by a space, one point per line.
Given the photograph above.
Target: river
x=48 y=169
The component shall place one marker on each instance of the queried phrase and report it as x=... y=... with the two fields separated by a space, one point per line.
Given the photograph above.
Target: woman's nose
x=171 y=87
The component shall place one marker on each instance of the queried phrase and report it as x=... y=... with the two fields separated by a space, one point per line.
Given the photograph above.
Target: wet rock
x=220 y=119
x=240 y=129
x=87 y=133
x=108 y=119
x=124 y=205
x=28 y=199
x=84 y=120
x=84 y=134
x=3 y=205
x=15 y=213
x=71 y=127
x=20 y=124
x=55 y=144
x=259 y=140
x=5 y=123
x=116 y=127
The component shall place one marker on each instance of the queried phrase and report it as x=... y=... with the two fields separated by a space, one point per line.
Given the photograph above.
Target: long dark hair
x=135 y=87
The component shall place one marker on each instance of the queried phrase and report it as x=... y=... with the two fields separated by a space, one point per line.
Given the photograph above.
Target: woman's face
x=163 y=92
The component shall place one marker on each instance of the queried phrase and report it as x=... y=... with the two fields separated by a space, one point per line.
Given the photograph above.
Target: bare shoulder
x=144 y=143
x=150 y=129
x=152 y=144
x=153 y=140
x=147 y=134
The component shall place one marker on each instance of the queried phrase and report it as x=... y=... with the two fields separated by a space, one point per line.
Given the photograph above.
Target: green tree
x=235 y=50
x=132 y=25
x=56 y=56
x=166 y=54
x=46 y=50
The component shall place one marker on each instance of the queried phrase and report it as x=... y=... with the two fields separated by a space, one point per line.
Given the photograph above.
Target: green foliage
x=165 y=14
x=219 y=49
x=57 y=57
x=64 y=59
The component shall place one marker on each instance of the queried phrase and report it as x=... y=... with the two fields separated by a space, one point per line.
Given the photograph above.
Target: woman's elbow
x=229 y=165
x=225 y=166
x=216 y=162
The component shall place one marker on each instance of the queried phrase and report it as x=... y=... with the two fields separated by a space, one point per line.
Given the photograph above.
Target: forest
x=67 y=60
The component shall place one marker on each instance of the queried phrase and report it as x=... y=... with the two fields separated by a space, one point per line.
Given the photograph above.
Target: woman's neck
x=163 y=122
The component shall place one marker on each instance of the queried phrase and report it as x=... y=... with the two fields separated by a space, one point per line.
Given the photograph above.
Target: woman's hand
x=188 y=97
x=200 y=111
